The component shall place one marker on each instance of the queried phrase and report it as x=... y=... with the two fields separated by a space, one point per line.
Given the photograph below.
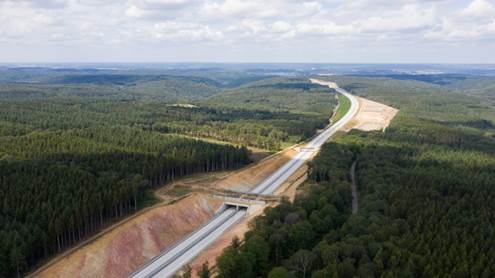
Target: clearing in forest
x=372 y=116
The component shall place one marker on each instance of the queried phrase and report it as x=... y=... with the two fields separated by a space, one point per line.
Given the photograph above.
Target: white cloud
x=409 y=17
x=261 y=9
x=43 y=4
x=451 y=30
x=480 y=8
x=17 y=21
x=174 y=31
x=324 y=28
x=134 y=11
x=164 y=3
x=475 y=22
x=312 y=25
x=281 y=27
x=311 y=7
x=255 y=8
x=156 y=9
x=490 y=28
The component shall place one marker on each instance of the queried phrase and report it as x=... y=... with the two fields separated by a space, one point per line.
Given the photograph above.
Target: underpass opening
x=237 y=206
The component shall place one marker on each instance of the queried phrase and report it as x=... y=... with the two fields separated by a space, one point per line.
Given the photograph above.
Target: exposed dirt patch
x=372 y=116
x=130 y=244
x=240 y=180
x=248 y=178
x=213 y=251
x=288 y=189
x=133 y=242
x=124 y=249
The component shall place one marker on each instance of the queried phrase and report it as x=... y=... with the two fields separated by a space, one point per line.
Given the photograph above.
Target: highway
x=170 y=261
x=269 y=185
x=174 y=258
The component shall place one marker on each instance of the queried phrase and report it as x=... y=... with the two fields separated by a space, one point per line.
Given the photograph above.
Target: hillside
x=425 y=189
x=296 y=95
x=81 y=149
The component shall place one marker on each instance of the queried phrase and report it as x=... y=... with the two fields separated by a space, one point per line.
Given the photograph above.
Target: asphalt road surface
x=269 y=185
x=174 y=258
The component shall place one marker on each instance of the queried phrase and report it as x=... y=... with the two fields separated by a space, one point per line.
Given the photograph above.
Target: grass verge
x=344 y=106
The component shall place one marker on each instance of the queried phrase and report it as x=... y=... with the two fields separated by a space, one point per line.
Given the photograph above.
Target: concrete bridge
x=247 y=201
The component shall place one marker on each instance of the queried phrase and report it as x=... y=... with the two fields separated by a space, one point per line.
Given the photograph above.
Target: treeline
x=424 y=100
x=115 y=87
x=425 y=196
x=266 y=114
x=281 y=242
x=268 y=134
x=279 y=94
x=57 y=187
x=426 y=209
x=249 y=127
x=79 y=150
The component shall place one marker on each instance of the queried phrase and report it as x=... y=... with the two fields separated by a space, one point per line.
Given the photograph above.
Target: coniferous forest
x=426 y=191
x=80 y=151
x=247 y=138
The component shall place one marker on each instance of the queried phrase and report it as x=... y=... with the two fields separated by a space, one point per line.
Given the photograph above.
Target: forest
x=425 y=186
x=251 y=115
x=82 y=149
x=57 y=187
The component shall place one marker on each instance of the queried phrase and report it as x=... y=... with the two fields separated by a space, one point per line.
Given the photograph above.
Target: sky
x=327 y=31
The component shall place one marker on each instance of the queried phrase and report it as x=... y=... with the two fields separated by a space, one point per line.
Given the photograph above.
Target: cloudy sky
x=405 y=31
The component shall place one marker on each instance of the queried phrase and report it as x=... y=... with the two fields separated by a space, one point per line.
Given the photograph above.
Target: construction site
x=187 y=203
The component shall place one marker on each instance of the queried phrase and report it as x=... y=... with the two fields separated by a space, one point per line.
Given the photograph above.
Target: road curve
x=174 y=258
x=269 y=185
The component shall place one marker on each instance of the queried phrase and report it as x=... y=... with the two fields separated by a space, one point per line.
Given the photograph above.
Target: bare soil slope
x=127 y=247
x=287 y=189
x=249 y=177
x=372 y=116
x=132 y=243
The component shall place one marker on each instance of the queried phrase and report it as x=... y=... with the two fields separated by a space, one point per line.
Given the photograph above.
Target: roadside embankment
x=122 y=250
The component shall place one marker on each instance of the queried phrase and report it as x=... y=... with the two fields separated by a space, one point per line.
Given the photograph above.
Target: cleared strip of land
x=372 y=116
x=161 y=226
